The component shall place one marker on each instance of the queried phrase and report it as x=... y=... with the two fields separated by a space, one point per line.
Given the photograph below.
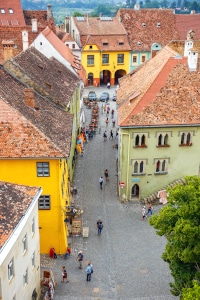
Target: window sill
x=105 y=64
x=162 y=146
x=90 y=65
x=142 y=146
x=160 y=173
x=138 y=174
x=120 y=63
x=185 y=145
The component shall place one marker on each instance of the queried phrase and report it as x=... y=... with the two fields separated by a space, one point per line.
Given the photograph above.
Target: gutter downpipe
x=127 y=165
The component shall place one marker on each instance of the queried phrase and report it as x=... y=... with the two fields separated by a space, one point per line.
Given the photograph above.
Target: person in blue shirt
x=89 y=271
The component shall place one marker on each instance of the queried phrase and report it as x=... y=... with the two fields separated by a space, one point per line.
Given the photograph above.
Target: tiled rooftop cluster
x=147 y=26
x=40 y=131
x=14 y=202
x=161 y=92
x=47 y=76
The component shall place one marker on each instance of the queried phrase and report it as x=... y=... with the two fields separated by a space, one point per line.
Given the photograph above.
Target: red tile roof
x=14 y=203
x=13 y=13
x=65 y=52
x=161 y=92
x=186 y=22
x=148 y=26
x=27 y=132
x=110 y=43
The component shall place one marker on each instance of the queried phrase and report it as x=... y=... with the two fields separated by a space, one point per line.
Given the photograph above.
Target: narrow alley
x=126 y=257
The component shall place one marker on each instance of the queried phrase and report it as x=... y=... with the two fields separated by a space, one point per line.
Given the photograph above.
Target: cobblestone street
x=126 y=257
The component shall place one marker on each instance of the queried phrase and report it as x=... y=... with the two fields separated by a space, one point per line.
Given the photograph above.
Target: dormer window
x=139 y=43
x=3 y=11
x=121 y=43
x=143 y=25
x=105 y=44
x=90 y=47
x=10 y=10
x=158 y=24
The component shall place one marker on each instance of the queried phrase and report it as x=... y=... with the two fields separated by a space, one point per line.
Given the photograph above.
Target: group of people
x=149 y=211
x=101 y=180
x=111 y=135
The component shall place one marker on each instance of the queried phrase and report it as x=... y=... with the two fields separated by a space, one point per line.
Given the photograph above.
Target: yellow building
x=105 y=48
x=35 y=146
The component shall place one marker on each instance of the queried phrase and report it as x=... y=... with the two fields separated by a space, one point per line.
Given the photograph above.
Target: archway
x=90 y=78
x=119 y=74
x=135 y=192
x=105 y=76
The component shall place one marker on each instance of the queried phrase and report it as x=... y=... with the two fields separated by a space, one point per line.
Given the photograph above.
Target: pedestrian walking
x=116 y=135
x=64 y=274
x=150 y=209
x=68 y=252
x=106 y=174
x=105 y=108
x=89 y=271
x=112 y=113
x=107 y=121
x=105 y=135
x=143 y=213
x=111 y=135
x=113 y=122
x=101 y=182
x=108 y=85
x=79 y=258
x=99 y=226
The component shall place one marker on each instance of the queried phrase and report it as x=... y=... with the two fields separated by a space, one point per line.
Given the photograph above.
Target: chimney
x=49 y=12
x=34 y=25
x=192 y=59
x=25 y=39
x=8 y=49
x=29 y=97
x=189 y=42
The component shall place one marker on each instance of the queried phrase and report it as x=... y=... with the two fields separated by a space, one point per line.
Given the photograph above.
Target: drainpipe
x=126 y=183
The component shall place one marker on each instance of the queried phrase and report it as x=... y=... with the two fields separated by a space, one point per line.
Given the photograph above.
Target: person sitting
x=68 y=252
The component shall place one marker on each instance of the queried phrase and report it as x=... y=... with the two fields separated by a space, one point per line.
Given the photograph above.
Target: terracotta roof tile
x=167 y=95
x=14 y=202
x=40 y=131
x=14 y=18
x=148 y=26
x=110 y=43
x=186 y=22
x=48 y=76
x=65 y=52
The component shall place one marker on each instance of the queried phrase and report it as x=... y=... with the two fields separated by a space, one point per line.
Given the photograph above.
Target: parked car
x=104 y=97
x=114 y=98
x=92 y=96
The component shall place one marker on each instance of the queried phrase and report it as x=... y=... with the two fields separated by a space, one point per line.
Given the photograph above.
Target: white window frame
x=163 y=162
x=139 y=163
x=11 y=269
x=187 y=139
x=3 y=11
x=25 y=278
x=25 y=244
x=138 y=140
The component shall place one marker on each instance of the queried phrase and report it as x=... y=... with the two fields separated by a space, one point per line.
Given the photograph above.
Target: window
x=44 y=202
x=11 y=11
x=33 y=259
x=161 y=166
x=140 y=140
x=90 y=47
x=120 y=58
x=90 y=59
x=163 y=140
x=73 y=46
x=134 y=59
x=138 y=167
x=3 y=11
x=43 y=169
x=121 y=43
x=105 y=43
x=24 y=242
x=143 y=58
x=25 y=278
x=33 y=226
x=11 y=269
x=105 y=59
x=186 y=139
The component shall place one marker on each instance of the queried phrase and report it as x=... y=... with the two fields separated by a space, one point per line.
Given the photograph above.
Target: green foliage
x=191 y=293
x=179 y=222
x=77 y=14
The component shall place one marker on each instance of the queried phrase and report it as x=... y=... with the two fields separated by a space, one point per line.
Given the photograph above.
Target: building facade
x=19 y=242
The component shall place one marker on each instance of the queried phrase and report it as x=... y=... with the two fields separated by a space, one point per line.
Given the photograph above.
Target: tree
x=77 y=14
x=192 y=293
x=179 y=222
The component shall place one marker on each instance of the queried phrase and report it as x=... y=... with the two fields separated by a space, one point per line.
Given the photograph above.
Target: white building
x=19 y=242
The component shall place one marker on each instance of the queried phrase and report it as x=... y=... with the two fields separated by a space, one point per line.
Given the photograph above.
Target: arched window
x=182 y=138
x=141 y=167
x=160 y=140
x=143 y=140
x=188 y=138
x=136 y=167
x=158 y=166
x=137 y=140
x=166 y=139
x=163 y=166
